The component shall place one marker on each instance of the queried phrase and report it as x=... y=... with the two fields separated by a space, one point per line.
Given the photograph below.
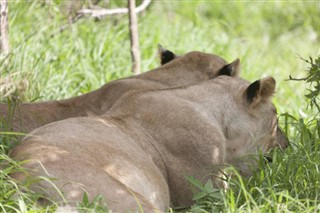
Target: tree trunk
x=134 y=38
x=4 y=34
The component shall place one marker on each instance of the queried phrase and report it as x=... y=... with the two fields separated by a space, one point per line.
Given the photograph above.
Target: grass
x=268 y=37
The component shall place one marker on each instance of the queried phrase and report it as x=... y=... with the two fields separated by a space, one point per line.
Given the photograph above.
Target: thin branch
x=98 y=13
x=104 y=12
x=134 y=38
x=4 y=27
x=296 y=79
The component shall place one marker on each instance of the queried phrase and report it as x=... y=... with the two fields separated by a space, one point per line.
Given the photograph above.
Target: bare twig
x=4 y=28
x=296 y=79
x=104 y=12
x=134 y=38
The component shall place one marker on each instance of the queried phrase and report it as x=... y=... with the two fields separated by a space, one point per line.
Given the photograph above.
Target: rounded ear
x=260 y=90
x=232 y=69
x=165 y=55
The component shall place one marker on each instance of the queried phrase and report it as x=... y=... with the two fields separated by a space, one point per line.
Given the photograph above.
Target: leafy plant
x=207 y=198
x=97 y=205
x=313 y=79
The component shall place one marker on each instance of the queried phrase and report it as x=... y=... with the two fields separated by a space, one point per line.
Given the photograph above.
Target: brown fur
x=144 y=146
x=188 y=69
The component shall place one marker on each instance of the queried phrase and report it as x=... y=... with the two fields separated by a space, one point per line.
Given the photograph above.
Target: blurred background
x=54 y=54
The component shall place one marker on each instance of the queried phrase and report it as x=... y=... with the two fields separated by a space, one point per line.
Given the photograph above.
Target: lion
x=139 y=152
x=189 y=68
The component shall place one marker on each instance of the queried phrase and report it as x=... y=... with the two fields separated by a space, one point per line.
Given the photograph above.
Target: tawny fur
x=141 y=150
x=188 y=69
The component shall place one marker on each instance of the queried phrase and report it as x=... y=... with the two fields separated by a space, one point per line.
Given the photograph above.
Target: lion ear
x=260 y=90
x=232 y=69
x=165 y=55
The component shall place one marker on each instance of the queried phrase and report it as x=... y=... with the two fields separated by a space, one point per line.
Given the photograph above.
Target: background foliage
x=270 y=38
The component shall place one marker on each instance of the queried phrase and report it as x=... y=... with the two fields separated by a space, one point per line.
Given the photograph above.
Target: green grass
x=268 y=37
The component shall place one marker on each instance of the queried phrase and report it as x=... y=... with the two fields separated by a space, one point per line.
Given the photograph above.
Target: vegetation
x=270 y=38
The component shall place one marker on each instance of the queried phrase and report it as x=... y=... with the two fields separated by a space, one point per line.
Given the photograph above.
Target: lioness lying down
x=187 y=69
x=141 y=150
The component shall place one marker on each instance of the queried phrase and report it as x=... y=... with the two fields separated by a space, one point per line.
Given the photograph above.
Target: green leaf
x=195 y=182
x=85 y=198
